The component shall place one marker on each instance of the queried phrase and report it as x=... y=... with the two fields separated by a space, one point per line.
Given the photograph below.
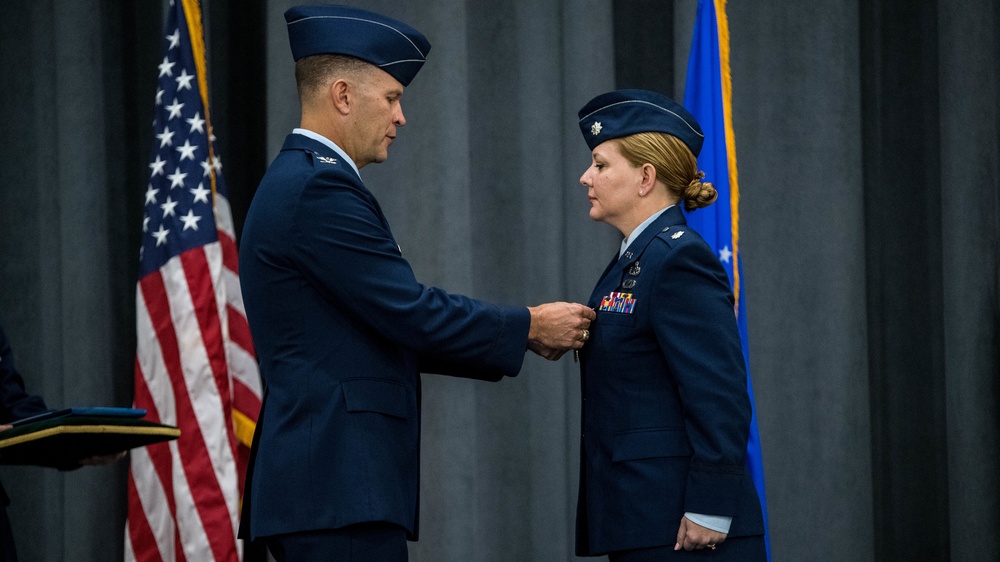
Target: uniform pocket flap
x=375 y=395
x=650 y=443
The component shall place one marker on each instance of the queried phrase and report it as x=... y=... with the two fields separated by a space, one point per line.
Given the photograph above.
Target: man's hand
x=558 y=326
x=102 y=459
x=692 y=536
x=546 y=352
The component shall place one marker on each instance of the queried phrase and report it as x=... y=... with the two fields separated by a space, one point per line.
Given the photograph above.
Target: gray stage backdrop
x=482 y=191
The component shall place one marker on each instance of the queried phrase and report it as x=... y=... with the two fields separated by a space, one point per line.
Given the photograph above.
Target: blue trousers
x=364 y=542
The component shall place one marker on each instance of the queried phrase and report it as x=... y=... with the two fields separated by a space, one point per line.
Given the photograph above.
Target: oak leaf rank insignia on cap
x=627 y=112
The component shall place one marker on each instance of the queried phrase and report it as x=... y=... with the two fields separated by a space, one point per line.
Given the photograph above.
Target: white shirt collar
x=333 y=146
x=638 y=230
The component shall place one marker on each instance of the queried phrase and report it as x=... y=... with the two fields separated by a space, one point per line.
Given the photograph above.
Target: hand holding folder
x=70 y=437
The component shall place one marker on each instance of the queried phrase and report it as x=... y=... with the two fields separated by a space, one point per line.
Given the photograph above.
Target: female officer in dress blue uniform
x=666 y=414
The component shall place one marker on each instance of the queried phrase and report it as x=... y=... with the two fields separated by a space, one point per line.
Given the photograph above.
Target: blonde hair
x=675 y=166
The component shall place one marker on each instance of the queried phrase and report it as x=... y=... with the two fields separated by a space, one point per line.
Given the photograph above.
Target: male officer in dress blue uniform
x=665 y=407
x=341 y=326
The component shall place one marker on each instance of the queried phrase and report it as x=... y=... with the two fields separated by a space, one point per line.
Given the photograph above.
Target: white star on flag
x=166 y=67
x=166 y=137
x=168 y=208
x=175 y=109
x=161 y=235
x=184 y=80
x=157 y=166
x=725 y=254
x=190 y=220
x=187 y=150
x=175 y=39
x=200 y=193
x=177 y=178
x=197 y=123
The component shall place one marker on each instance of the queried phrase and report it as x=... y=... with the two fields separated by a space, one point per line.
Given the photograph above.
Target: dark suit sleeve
x=445 y=366
x=15 y=402
x=696 y=328
x=346 y=250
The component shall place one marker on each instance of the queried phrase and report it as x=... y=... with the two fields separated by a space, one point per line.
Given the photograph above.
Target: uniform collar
x=671 y=216
x=329 y=144
x=638 y=230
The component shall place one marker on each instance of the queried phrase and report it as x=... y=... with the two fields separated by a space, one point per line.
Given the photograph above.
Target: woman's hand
x=692 y=536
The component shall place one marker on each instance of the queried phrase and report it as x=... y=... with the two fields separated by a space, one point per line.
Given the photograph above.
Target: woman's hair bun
x=699 y=194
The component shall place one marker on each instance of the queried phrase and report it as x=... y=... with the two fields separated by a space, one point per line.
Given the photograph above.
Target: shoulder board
x=320 y=160
x=672 y=235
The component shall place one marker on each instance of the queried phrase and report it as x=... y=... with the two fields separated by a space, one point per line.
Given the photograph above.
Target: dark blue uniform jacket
x=342 y=330
x=666 y=414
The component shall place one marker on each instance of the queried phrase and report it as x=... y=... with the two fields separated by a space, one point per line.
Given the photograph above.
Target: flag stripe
x=198 y=275
x=197 y=467
x=140 y=535
x=239 y=335
x=154 y=393
x=229 y=252
x=157 y=456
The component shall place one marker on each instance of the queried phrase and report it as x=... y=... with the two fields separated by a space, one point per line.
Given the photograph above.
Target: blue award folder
x=92 y=411
x=62 y=438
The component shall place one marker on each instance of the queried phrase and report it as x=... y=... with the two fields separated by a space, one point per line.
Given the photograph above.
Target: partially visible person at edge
x=341 y=326
x=17 y=404
x=666 y=413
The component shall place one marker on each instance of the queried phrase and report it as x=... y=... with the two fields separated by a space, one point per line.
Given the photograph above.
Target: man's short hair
x=315 y=72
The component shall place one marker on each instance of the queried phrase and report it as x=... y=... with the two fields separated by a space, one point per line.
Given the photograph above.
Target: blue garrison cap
x=386 y=43
x=626 y=112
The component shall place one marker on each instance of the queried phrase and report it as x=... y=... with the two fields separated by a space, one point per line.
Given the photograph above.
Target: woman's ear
x=648 y=177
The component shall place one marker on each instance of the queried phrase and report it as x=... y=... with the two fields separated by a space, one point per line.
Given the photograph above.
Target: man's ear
x=341 y=93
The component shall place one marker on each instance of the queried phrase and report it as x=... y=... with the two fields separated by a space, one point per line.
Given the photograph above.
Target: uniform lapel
x=613 y=274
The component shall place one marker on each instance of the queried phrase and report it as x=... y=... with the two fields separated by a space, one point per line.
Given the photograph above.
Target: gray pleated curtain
x=869 y=165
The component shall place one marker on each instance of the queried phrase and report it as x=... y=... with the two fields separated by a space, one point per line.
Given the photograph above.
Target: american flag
x=195 y=366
